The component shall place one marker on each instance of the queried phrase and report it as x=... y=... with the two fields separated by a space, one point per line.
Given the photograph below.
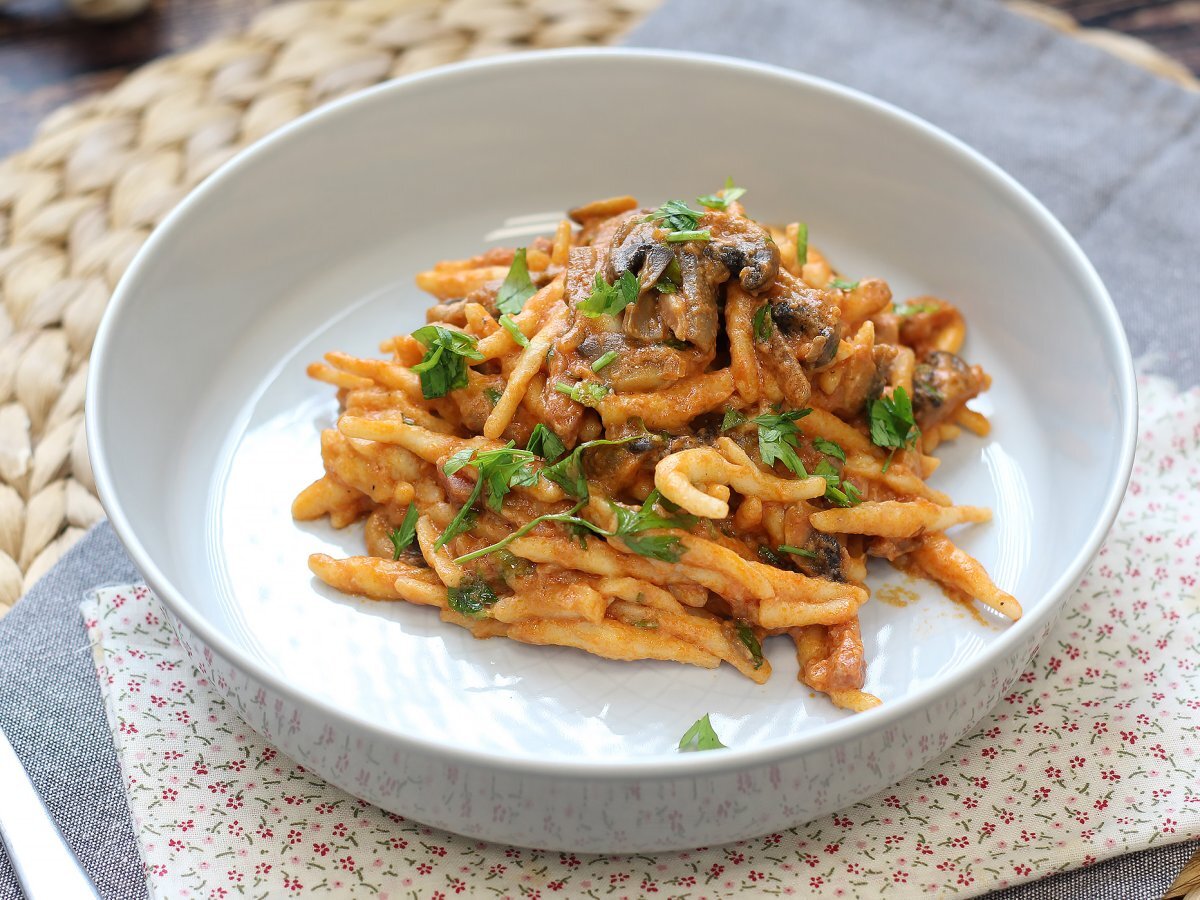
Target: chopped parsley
x=678 y=237
x=778 y=438
x=471 y=598
x=499 y=470
x=403 y=536
x=829 y=448
x=797 y=551
x=841 y=285
x=589 y=393
x=569 y=518
x=769 y=556
x=605 y=360
x=493 y=395
x=746 y=635
x=568 y=472
x=801 y=244
x=663 y=547
x=513 y=330
x=733 y=418
x=545 y=443
x=728 y=195
x=700 y=737
x=911 y=309
x=444 y=366
x=609 y=299
x=517 y=286
x=675 y=215
x=762 y=323
x=671 y=278
x=892 y=423
x=837 y=491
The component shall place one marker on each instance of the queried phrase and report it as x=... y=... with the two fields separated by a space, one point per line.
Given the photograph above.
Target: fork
x=45 y=865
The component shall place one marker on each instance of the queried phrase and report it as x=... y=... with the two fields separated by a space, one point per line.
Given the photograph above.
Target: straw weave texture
x=100 y=174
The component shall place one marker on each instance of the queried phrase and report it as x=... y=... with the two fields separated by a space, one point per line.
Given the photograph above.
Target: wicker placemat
x=101 y=173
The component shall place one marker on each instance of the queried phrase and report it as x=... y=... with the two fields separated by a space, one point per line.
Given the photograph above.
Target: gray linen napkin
x=1114 y=153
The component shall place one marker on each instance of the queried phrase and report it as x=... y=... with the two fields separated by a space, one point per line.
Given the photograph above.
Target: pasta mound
x=664 y=434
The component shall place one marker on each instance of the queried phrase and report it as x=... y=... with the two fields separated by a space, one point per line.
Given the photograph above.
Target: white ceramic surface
x=203 y=427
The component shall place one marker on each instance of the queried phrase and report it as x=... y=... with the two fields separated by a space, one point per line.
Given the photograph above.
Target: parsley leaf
x=731 y=193
x=769 y=556
x=568 y=472
x=762 y=323
x=701 y=736
x=747 y=637
x=663 y=547
x=517 y=286
x=829 y=448
x=671 y=278
x=610 y=299
x=498 y=470
x=911 y=309
x=678 y=237
x=605 y=360
x=841 y=285
x=837 y=492
x=733 y=418
x=493 y=395
x=798 y=551
x=675 y=215
x=892 y=423
x=513 y=330
x=778 y=438
x=568 y=518
x=545 y=443
x=471 y=598
x=403 y=536
x=444 y=366
x=589 y=393
x=801 y=244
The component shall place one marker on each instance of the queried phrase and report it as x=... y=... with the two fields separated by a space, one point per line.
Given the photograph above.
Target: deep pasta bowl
x=203 y=426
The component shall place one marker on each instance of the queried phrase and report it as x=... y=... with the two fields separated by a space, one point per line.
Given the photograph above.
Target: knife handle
x=45 y=865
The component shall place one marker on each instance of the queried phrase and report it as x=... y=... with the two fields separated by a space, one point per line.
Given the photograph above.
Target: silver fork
x=45 y=865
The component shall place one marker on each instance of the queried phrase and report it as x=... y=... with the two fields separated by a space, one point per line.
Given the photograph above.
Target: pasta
x=662 y=434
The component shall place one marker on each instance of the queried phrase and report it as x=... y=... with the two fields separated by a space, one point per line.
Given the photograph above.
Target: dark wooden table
x=47 y=57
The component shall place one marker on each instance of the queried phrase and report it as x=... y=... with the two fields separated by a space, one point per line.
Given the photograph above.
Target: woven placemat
x=76 y=205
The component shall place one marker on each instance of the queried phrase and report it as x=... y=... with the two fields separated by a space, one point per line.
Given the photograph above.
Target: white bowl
x=203 y=426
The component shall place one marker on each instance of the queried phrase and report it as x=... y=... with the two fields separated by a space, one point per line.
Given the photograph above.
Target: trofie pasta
x=664 y=434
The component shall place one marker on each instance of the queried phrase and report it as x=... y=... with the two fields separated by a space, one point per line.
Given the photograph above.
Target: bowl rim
x=684 y=765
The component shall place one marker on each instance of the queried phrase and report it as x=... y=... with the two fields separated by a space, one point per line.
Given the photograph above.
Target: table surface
x=48 y=57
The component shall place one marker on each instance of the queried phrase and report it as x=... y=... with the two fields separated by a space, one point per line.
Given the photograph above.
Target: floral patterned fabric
x=1093 y=753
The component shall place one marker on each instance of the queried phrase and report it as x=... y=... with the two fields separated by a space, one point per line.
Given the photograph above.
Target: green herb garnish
x=769 y=556
x=841 y=285
x=589 y=393
x=747 y=637
x=403 y=536
x=663 y=547
x=762 y=323
x=610 y=299
x=671 y=278
x=733 y=418
x=778 y=438
x=517 y=286
x=444 y=366
x=545 y=443
x=892 y=423
x=837 y=492
x=471 y=598
x=678 y=237
x=700 y=737
x=829 y=448
x=801 y=244
x=606 y=359
x=513 y=330
x=493 y=395
x=675 y=215
x=912 y=309
x=731 y=193
x=798 y=551
x=568 y=473
x=498 y=470
x=569 y=518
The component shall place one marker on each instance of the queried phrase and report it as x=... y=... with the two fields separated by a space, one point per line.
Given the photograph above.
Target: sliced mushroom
x=745 y=248
x=637 y=247
x=807 y=317
x=691 y=311
x=942 y=383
